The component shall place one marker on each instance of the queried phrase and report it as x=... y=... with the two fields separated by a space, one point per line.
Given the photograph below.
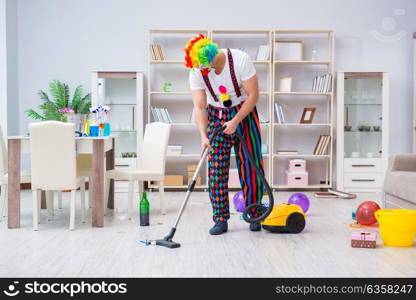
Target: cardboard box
x=363 y=239
x=233 y=178
x=171 y=180
x=297 y=165
x=191 y=168
x=296 y=178
x=198 y=180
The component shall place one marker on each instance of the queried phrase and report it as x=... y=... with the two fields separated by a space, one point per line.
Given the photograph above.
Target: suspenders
x=233 y=78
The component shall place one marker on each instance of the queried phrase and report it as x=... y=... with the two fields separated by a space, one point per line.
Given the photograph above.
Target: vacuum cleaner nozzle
x=167 y=240
x=168 y=243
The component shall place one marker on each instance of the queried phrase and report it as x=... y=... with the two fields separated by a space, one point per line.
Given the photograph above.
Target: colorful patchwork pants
x=219 y=159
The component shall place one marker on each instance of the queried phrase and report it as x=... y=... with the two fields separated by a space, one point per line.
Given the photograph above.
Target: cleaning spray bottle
x=144 y=210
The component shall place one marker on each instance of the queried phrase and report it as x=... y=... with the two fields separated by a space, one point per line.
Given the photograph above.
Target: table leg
x=43 y=200
x=14 y=147
x=110 y=162
x=97 y=178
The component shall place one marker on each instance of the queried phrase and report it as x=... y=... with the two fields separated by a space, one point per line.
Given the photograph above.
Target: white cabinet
x=362 y=130
x=122 y=91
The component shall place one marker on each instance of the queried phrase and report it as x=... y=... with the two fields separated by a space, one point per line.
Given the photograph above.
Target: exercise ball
x=239 y=201
x=301 y=200
x=365 y=213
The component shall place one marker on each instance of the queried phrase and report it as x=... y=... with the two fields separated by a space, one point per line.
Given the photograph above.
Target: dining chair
x=152 y=160
x=84 y=167
x=24 y=177
x=53 y=165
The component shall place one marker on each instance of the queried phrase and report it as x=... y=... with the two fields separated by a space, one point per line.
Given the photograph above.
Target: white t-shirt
x=243 y=69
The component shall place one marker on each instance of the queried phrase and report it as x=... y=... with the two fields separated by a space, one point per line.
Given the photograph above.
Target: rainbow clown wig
x=200 y=52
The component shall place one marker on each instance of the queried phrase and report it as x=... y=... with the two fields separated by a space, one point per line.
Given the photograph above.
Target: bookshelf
x=179 y=102
x=249 y=41
x=292 y=134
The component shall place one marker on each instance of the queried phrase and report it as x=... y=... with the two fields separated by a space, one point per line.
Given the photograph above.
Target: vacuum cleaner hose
x=256 y=212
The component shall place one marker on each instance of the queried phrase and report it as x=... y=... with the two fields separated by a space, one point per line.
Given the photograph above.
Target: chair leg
x=60 y=199
x=161 y=197
x=2 y=200
x=6 y=203
x=106 y=194
x=83 y=202
x=131 y=197
x=36 y=205
x=49 y=200
x=39 y=195
x=72 y=210
x=89 y=193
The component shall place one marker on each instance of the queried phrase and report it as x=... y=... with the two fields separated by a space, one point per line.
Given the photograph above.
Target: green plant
x=60 y=99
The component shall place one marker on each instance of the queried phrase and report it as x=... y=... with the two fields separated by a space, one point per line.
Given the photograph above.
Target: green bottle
x=144 y=210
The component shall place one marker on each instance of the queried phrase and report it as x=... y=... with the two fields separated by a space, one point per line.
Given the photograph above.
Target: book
x=287 y=152
x=159 y=48
x=325 y=145
x=262 y=118
x=157 y=53
x=318 y=146
x=279 y=113
x=168 y=115
x=325 y=195
x=322 y=83
x=322 y=145
x=263 y=53
x=342 y=194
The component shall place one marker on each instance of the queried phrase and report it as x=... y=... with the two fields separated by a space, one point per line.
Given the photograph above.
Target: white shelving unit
x=123 y=92
x=179 y=101
x=294 y=135
x=249 y=41
x=363 y=126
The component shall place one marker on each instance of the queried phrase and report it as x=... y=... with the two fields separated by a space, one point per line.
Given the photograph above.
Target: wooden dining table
x=102 y=150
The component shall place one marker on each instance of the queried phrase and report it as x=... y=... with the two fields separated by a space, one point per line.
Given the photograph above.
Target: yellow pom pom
x=224 y=97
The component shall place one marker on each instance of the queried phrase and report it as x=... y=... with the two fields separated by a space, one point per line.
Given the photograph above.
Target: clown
x=225 y=91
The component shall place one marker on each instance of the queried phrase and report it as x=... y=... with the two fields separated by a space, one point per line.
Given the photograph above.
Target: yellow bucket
x=397 y=226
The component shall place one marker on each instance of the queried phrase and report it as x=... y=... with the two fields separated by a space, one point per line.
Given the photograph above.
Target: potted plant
x=60 y=105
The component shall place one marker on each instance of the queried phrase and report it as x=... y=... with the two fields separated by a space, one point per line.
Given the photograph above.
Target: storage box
x=233 y=178
x=363 y=239
x=296 y=178
x=297 y=165
x=191 y=171
x=171 y=180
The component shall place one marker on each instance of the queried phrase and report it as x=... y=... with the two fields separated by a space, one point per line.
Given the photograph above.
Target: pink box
x=297 y=165
x=233 y=178
x=296 y=178
x=363 y=239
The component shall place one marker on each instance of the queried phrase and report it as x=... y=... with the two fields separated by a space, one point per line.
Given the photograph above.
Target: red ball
x=365 y=213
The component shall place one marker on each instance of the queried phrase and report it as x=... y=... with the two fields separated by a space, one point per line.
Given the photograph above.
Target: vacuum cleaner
x=261 y=211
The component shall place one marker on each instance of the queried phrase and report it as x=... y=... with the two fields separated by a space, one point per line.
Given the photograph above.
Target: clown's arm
x=200 y=103
x=251 y=87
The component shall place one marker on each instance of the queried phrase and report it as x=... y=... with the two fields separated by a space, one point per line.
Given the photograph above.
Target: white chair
x=151 y=162
x=53 y=165
x=24 y=177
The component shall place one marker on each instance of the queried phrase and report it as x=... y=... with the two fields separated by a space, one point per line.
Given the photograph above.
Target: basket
x=397 y=226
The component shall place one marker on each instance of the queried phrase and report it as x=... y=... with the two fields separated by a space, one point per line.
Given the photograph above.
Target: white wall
x=60 y=39
x=3 y=68
x=12 y=69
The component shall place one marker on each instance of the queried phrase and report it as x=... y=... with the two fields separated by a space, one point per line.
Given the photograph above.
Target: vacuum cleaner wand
x=167 y=240
x=261 y=210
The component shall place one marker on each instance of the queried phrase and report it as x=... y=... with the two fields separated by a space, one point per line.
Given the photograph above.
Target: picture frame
x=289 y=50
x=285 y=84
x=308 y=115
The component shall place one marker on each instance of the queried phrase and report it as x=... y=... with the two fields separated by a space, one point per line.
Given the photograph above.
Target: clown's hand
x=230 y=127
